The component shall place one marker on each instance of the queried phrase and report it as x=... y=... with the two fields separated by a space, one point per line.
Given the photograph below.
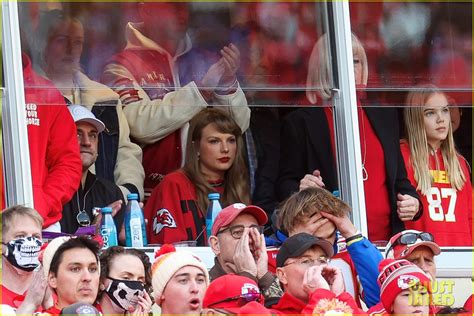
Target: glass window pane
x=419 y=57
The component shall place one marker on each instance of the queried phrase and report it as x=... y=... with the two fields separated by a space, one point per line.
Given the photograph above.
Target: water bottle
x=108 y=229
x=212 y=211
x=135 y=230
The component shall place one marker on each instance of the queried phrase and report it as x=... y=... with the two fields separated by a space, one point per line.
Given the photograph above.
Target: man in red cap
x=229 y=293
x=415 y=246
x=239 y=245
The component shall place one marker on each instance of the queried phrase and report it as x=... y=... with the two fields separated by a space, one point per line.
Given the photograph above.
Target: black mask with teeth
x=23 y=253
x=125 y=293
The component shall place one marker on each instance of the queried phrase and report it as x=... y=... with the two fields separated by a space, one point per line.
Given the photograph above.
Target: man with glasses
x=93 y=191
x=239 y=245
x=309 y=283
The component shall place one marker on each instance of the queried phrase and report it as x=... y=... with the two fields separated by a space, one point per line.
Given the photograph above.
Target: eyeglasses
x=242 y=299
x=411 y=238
x=83 y=218
x=309 y=262
x=238 y=230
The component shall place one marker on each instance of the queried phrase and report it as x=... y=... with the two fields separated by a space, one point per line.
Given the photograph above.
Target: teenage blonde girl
x=439 y=173
x=214 y=163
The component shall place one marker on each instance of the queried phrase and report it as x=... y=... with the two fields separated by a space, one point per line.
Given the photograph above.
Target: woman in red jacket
x=214 y=163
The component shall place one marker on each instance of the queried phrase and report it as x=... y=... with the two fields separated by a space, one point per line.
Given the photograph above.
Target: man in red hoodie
x=56 y=165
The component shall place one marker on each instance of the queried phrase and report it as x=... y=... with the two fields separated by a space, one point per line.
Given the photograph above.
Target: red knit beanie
x=396 y=276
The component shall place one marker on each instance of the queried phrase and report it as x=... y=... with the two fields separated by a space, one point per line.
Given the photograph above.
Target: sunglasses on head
x=241 y=299
x=411 y=238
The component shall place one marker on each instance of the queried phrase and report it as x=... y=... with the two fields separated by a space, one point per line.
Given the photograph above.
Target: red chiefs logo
x=407 y=281
x=162 y=219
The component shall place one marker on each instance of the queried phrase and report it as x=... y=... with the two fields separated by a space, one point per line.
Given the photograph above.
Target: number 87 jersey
x=447 y=213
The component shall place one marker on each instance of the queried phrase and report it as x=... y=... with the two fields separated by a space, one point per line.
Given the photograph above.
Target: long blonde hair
x=236 y=182
x=418 y=142
x=319 y=79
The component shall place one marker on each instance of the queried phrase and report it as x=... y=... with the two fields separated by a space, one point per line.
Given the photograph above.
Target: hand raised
x=243 y=258
x=333 y=277
x=314 y=280
x=259 y=252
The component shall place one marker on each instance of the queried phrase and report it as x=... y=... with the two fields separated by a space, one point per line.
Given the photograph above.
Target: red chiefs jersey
x=447 y=213
x=173 y=213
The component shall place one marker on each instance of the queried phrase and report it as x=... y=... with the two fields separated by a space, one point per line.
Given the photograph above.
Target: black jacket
x=306 y=146
x=97 y=192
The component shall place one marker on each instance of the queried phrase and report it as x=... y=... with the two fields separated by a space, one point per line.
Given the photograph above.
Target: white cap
x=82 y=114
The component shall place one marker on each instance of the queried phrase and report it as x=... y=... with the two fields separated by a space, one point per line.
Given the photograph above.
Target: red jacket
x=56 y=165
x=322 y=301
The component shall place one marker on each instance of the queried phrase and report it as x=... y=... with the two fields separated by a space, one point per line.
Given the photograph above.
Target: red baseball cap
x=230 y=292
x=228 y=214
x=398 y=250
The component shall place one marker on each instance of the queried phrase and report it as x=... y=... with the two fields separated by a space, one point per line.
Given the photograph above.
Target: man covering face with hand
x=239 y=246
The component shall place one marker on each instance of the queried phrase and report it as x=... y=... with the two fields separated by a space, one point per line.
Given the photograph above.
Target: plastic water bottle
x=212 y=211
x=135 y=230
x=108 y=229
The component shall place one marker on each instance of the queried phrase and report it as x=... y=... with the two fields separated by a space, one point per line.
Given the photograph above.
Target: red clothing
x=468 y=304
x=448 y=213
x=173 y=213
x=379 y=309
x=11 y=298
x=377 y=202
x=51 y=311
x=288 y=305
x=151 y=69
x=56 y=166
x=322 y=301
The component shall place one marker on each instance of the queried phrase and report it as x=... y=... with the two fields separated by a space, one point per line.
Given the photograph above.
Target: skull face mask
x=125 y=293
x=23 y=253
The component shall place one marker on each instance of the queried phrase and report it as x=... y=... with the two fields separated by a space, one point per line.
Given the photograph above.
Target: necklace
x=365 y=174
x=83 y=219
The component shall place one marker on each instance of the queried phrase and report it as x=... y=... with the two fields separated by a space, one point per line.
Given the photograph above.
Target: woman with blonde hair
x=308 y=150
x=214 y=163
x=434 y=167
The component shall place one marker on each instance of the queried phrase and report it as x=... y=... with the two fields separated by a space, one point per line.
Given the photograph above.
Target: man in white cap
x=415 y=246
x=93 y=191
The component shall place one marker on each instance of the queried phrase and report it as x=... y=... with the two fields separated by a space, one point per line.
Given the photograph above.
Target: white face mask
x=125 y=293
x=23 y=253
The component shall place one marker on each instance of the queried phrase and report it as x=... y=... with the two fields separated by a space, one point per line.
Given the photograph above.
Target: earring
x=199 y=155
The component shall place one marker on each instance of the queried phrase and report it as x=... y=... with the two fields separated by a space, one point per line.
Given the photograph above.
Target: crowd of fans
x=172 y=124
